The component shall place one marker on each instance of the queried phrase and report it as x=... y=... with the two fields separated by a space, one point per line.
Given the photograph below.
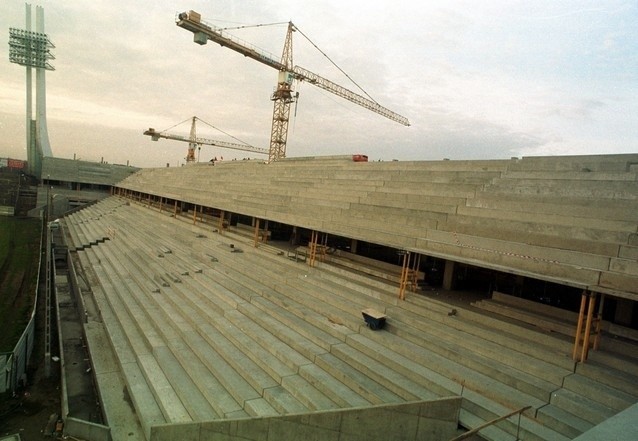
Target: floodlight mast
x=284 y=95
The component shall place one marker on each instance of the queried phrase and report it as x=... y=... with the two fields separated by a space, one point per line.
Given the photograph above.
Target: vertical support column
x=160 y=204
x=590 y=315
x=175 y=211
x=44 y=148
x=29 y=122
x=222 y=215
x=353 y=246
x=313 y=248
x=195 y=215
x=624 y=311
x=448 y=275
x=414 y=272
x=403 y=282
x=149 y=200
x=579 y=325
x=599 y=322
x=256 y=242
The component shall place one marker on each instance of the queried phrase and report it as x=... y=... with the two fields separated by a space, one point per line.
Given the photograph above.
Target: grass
x=19 y=254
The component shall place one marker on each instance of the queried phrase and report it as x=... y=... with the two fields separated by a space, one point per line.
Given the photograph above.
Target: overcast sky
x=477 y=80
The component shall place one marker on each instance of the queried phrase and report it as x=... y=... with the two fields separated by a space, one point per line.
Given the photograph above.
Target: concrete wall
x=426 y=420
x=69 y=170
x=86 y=430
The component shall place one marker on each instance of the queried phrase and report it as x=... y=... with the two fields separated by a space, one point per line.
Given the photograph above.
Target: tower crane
x=284 y=95
x=193 y=141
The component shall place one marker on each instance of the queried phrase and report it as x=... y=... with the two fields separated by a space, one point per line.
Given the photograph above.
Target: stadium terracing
x=227 y=301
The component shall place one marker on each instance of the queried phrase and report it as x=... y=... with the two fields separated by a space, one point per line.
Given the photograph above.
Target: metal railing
x=476 y=430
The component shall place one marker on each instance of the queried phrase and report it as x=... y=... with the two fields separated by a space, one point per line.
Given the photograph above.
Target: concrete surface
x=620 y=427
x=432 y=420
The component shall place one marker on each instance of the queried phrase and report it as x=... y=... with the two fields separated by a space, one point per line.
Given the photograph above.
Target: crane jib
x=283 y=96
x=202 y=33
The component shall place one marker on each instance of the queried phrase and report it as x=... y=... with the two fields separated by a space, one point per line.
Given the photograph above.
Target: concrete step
x=397 y=383
x=356 y=280
x=490 y=433
x=195 y=353
x=367 y=388
x=308 y=397
x=519 y=331
x=595 y=189
x=367 y=290
x=558 y=237
x=571 y=175
x=428 y=188
x=471 y=356
x=577 y=404
x=183 y=316
x=281 y=316
x=603 y=374
x=432 y=207
x=283 y=402
x=619 y=340
x=319 y=340
x=142 y=398
x=520 y=222
x=249 y=346
x=412 y=217
x=562 y=421
x=335 y=390
x=196 y=397
x=177 y=403
x=537 y=307
x=289 y=356
x=607 y=396
x=529 y=428
x=387 y=347
x=548 y=324
x=614 y=360
x=217 y=393
x=520 y=351
x=195 y=402
x=586 y=207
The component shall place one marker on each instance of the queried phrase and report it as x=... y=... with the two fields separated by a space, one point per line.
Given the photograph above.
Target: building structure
x=232 y=294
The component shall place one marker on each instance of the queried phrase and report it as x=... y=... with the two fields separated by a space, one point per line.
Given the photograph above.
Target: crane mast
x=190 y=154
x=282 y=98
x=284 y=95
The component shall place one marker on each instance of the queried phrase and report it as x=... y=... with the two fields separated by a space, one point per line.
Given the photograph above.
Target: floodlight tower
x=33 y=50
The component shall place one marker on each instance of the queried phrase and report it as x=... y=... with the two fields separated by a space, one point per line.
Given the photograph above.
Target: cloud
x=477 y=81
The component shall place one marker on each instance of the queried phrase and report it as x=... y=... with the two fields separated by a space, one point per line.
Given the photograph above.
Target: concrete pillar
x=353 y=246
x=40 y=96
x=448 y=275
x=624 y=312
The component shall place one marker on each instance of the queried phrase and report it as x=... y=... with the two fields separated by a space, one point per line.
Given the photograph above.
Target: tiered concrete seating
x=460 y=348
x=588 y=396
x=255 y=334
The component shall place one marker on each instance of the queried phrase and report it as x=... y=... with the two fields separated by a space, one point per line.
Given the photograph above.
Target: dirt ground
x=29 y=412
